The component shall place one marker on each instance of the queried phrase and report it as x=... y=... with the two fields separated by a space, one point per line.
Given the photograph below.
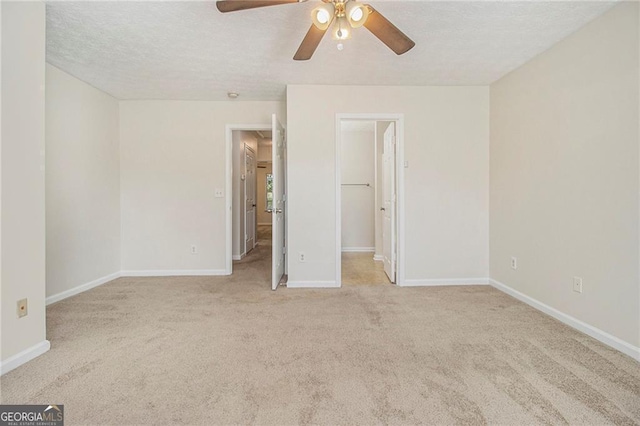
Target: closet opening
x=366 y=159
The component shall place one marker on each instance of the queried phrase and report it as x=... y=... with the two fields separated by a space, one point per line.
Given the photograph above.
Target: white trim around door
x=399 y=120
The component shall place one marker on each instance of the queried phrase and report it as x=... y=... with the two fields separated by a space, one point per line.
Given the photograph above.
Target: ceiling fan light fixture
x=322 y=16
x=342 y=29
x=356 y=14
x=342 y=16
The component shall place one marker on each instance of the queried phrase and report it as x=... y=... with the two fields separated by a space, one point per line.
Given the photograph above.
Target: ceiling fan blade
x=388 y=33
x=309 y=44
x=225 y=6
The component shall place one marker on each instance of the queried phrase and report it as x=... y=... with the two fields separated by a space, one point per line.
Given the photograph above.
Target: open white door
x=277 y=214
x=389 y=203
x=250 y=198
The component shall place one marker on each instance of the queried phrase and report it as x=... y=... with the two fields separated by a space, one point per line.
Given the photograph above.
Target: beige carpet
x=216 y=350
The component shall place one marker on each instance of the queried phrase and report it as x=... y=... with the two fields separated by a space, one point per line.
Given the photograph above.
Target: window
x=269 y=191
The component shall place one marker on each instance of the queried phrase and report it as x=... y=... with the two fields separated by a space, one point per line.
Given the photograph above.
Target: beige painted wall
x=358 y=202
x=172 y=159
x=564 y=175
x=82 y=183
x=23 y=190
x=447 y=181
x=264 y=218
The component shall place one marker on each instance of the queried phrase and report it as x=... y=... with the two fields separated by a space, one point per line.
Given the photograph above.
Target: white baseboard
x=175 y=273
x=238 y=256
x=596 y=333
x=358 y=249
x=152 y=273
x=81 y=288
x=444 y=282
x=378 y=257
x=23 y=357
x=312 y=284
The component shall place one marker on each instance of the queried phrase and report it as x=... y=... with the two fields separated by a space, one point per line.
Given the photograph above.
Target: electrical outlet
x=301 y=257
x=514 y=263
x=577 y=284
x=22 y=308
x=194 y=249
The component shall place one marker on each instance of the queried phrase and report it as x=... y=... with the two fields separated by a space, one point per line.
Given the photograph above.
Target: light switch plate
x=577 y=284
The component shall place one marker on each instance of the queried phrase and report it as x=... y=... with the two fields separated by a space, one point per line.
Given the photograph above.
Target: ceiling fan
x=345 y=15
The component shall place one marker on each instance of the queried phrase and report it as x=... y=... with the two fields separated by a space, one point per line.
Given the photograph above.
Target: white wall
x=172 y=160
x=82 y=183
x=240 y=139
x=23 y=190
x=447 y=146
x=565 y=175
x=358 y=159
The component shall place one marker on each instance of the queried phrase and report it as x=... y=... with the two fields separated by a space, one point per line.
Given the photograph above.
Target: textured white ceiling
x=188 y=50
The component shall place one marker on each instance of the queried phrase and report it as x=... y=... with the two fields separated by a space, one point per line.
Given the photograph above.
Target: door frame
x=399 y=172
x=229 y=129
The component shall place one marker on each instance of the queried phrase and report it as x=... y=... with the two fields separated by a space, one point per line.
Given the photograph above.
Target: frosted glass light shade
x=322 y=16
x=342 y=29
x=356 y=13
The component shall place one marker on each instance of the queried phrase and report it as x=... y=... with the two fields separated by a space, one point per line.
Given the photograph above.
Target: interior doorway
x=368 y=180
x=250 y=149
x=254 y=241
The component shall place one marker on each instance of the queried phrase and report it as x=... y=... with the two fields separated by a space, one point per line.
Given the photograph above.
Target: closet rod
x=356 y=184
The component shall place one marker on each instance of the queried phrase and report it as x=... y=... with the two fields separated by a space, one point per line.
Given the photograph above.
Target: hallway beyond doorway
x=256 y=265
x=264 y=235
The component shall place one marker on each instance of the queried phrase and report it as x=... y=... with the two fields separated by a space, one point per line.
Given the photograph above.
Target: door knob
x=277 y=210
x=253 y=205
